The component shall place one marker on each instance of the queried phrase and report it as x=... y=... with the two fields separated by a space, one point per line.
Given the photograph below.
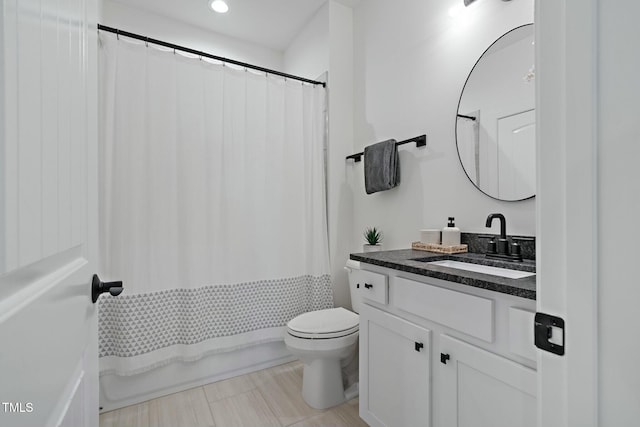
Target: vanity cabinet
x=480 y=388
x=443 y=354
x=395 y=362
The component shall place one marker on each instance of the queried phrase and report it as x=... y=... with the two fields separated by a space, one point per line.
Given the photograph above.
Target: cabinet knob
x=418 y=346
x=368 y=285
x=444 y=358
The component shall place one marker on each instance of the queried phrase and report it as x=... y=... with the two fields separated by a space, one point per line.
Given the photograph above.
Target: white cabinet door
x=394 y=371
x=48 y=213
x=480 y=389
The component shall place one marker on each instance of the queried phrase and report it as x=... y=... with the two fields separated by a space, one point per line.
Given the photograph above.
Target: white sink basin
x=494 y=271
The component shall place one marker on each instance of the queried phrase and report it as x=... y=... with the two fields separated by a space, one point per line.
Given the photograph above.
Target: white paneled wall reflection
x=45 y=124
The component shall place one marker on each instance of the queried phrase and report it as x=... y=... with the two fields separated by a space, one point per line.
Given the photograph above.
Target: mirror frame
x=458 y=112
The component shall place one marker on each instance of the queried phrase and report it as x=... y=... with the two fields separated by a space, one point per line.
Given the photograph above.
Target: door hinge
x=549 y=333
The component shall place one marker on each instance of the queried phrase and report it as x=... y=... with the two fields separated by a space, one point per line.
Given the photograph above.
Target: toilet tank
x=353 y=271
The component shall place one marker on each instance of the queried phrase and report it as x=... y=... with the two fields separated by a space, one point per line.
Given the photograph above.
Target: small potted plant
x=373 y=237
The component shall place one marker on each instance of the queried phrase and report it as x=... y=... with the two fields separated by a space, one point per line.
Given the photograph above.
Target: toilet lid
x=329 y=323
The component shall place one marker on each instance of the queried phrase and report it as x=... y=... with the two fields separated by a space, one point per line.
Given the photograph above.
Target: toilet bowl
x=322 y=340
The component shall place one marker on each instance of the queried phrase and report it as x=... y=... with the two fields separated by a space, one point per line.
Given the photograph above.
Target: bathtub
x=119 y=391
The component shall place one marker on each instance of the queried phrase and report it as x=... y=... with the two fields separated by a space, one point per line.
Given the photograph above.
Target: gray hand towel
x=381 y=166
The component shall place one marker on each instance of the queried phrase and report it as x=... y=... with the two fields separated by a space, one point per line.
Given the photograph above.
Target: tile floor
x=271 y=397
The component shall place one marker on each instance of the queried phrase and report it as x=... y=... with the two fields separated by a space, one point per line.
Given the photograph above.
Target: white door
x=48 y=213
x=395 y=371
x=480 y=389
x=588 y=208
x=565 y=200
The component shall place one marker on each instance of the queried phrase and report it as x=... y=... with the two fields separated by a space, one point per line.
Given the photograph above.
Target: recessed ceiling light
x=219 y=6
x=456 y=10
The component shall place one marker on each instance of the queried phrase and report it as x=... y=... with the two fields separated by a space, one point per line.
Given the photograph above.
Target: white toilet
x=322 y=340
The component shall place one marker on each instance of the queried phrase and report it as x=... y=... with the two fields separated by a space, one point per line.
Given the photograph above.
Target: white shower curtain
x=213 y=206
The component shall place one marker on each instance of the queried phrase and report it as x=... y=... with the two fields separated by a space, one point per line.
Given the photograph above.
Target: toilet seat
x=324 y=324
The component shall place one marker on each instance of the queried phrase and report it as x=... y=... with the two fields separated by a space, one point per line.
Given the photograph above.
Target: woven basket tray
x=430 y=247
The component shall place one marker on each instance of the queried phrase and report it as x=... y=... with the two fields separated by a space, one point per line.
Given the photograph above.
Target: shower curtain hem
x=113 y=365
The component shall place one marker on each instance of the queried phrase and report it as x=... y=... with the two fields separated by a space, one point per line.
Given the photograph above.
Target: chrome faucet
x=501 y=249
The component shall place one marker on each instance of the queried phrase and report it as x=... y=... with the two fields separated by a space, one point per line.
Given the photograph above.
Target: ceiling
x=269 y=23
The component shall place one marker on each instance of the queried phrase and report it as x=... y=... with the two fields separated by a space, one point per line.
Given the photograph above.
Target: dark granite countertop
x=405 y=260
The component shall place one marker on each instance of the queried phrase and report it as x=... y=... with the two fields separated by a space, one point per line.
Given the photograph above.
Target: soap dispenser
x=450 y=234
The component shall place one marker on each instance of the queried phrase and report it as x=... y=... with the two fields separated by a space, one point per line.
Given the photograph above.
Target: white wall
x=411 y=62
x=326 y=44
x=308 y=55
x=341 y=92
x=156 y=26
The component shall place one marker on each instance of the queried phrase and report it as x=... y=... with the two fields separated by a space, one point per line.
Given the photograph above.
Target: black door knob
x=98 y=287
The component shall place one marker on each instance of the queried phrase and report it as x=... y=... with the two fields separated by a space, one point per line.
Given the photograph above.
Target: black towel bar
x=421 y=141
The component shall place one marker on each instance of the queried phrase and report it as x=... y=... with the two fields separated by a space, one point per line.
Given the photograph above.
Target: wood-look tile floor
x=271 y=397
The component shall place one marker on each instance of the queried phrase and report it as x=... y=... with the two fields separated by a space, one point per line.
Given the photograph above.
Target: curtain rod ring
x=118 y=34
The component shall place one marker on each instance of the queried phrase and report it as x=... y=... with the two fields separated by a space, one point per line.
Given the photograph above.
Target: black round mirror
x=495 y=123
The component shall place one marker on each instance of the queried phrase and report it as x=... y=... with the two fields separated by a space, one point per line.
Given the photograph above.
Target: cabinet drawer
x=466 y=313
x=372 y=286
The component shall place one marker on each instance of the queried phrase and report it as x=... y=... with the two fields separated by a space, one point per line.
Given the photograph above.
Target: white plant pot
x=371 y=248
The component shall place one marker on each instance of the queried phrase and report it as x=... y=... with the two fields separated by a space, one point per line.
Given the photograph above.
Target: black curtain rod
x=204 y=54
x=420 y=141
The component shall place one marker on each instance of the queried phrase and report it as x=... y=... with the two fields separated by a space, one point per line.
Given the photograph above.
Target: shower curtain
x=212 y=206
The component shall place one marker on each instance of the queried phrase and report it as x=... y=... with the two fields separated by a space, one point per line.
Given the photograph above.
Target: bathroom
x=394 y=70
